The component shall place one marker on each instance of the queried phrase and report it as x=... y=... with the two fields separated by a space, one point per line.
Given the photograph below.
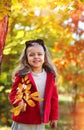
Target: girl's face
x=35 y=56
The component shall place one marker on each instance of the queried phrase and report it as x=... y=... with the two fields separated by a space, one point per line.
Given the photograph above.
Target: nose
x=36 y=56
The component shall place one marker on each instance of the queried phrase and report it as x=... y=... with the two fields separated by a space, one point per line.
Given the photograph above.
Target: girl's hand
x=21 y=102
x=53 y=124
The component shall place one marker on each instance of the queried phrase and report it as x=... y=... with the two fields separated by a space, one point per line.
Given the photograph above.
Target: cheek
x=43 y=58
x=29 y=58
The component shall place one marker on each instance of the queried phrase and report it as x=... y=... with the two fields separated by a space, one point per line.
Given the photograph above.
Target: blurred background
x=60 y=23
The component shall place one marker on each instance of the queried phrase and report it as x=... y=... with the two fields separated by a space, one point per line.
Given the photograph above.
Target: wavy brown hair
x=24 y=67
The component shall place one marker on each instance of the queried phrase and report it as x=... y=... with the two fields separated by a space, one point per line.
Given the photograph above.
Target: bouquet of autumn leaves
x=25 y=96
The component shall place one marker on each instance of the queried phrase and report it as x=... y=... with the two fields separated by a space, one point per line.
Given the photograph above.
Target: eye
x=40 y=54
x=31 y=54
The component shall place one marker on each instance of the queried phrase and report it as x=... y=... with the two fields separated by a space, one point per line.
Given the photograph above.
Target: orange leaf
x=37 y=99
x=26 y=78
x=22 y=80
x=28 y=87
x=31 y=103
x=35 y=94
x=19 y=96
x=20 y=86
x=26 y=97
x=27 y=82
x=17 y=110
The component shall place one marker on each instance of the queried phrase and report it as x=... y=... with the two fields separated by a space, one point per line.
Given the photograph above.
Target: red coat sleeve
x=54 y=103
x=14 y=90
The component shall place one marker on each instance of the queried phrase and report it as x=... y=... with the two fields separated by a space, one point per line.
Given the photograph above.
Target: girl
x=34 y=93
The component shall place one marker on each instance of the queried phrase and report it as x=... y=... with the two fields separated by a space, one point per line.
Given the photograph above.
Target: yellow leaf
x=26 y=97
x=26 y=77
x=28 y=87
x=17 y=110
x=35 y=94
x=31 y=103
x=20 y=86
x=27 y=92
x=4 y=119
x=14 y=1
x=27 y=82
x=20 y=34
x=22 y=80
x=37 y=99
x=19 y=96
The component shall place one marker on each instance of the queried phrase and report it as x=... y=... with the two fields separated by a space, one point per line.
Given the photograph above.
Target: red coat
x=32 y=114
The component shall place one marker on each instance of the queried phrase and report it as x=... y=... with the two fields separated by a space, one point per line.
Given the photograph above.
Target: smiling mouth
x=36 y=61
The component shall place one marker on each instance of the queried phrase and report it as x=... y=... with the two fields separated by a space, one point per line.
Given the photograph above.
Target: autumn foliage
x=61 y=25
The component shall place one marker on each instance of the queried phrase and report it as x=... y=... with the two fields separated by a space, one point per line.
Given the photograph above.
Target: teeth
x=36 y=61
